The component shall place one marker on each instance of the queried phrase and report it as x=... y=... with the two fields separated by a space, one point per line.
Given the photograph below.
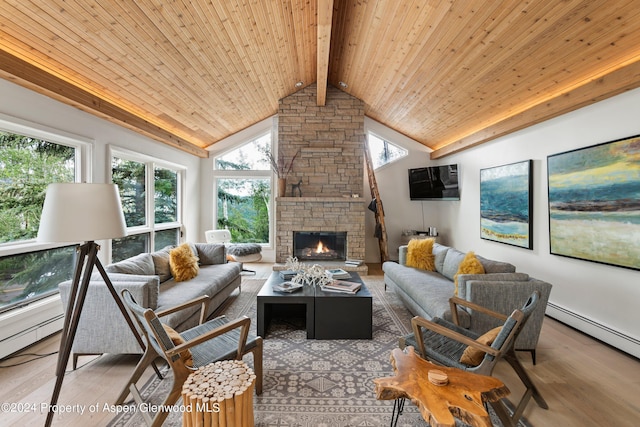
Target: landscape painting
x=594 y=203
x=506 y=204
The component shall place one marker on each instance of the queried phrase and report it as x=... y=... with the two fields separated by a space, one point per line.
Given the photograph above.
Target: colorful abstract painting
x=594 y=203
x=506 y=204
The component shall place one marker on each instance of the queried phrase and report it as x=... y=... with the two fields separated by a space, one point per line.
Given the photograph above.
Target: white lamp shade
x=75 y=212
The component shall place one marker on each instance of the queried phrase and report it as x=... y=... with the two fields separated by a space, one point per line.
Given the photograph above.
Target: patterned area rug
x=314 y=383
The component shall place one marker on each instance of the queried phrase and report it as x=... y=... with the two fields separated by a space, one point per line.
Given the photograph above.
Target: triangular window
x=384 y=152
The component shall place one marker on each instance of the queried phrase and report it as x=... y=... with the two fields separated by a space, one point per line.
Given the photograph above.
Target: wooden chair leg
x=147 y=358
x=526 y=380
x=257 y=364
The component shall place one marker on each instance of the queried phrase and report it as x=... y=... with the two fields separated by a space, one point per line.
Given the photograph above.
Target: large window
x=384 y=152
x=243 y=191
x=150 y=195
x=30 y=159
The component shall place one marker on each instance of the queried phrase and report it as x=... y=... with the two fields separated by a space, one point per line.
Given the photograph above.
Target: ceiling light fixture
x=343 y=85
x=299 y=84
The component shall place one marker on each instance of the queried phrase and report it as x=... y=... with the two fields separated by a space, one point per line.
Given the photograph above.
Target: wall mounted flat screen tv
x=434 y=183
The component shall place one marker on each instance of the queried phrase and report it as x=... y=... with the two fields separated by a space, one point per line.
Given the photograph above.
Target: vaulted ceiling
x=449 y=74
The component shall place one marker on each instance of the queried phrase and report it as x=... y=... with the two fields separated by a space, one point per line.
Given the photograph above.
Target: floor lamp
x=75 y=212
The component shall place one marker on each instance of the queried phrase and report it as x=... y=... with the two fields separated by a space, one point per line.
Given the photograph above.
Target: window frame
x=388 y=141
x=83 y=154
x=150 y=163
x=83 y=150
x=219 y=174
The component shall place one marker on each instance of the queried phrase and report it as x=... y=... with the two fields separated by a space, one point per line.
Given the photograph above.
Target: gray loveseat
x=102 y=329
x=501 y=288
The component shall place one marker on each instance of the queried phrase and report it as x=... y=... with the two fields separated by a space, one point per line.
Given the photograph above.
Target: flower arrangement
x=278 y=164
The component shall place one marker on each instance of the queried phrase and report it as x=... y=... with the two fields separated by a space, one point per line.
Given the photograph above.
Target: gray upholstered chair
x=216 y=339
x=443 y=342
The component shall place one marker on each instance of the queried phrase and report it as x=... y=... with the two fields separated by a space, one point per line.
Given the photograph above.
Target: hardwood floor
x=585 y=382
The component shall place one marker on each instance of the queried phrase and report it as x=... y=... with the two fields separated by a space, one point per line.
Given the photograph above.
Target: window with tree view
x=151 y=224
x=243 y=197
x=27 y=166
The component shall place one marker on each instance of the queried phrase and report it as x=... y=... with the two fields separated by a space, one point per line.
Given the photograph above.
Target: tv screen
x=434 y=183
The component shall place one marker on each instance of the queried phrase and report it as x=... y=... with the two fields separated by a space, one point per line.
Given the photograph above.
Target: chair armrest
x=92 y=337
x=243 y=322
x=419 y=322
x=464 y=279
x=456 y=301
x=204 y=300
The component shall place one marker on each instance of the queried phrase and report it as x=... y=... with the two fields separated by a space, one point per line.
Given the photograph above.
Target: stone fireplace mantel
x=321 y=199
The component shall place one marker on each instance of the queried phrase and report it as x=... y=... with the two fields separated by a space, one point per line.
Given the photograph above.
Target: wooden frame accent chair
x=210 y=341
x=444 y=343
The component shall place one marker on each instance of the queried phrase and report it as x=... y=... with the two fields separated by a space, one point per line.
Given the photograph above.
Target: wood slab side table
x=463 y=397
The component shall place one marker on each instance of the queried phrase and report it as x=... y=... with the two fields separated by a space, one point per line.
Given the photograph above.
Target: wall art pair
x=594 y=203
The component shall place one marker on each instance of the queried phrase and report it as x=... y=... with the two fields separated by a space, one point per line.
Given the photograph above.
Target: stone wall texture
x=328 y=142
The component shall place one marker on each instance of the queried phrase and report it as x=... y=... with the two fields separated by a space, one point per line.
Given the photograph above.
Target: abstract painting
x=506 y=204
x=594 y=203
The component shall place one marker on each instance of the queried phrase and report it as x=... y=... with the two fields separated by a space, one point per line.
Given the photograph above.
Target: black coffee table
x=329 y=315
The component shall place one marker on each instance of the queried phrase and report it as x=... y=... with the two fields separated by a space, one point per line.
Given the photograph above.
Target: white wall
x=598 y=299
x=392 y=180
x=26 y=325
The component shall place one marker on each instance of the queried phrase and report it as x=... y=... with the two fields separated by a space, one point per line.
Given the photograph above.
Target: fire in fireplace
x=320 y=245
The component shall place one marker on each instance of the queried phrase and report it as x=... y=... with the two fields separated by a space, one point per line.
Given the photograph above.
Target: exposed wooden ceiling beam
x=596 y=89
x=30 y=76
x=325 y=14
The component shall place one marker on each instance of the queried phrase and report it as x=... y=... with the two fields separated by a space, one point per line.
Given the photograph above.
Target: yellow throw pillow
x=183 y=263
x=472 y=356
x=186 y=356
x=420 y=254
x=469 y=265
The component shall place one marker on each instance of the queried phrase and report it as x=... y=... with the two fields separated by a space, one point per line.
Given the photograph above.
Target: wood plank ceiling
x=449 y=74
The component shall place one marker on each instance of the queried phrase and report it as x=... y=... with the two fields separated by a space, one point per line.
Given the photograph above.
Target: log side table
x=219 y=394
x=463 y=396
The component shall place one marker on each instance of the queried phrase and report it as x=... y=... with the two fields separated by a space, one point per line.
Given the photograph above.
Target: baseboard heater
x=24 y=326
x=611 y=336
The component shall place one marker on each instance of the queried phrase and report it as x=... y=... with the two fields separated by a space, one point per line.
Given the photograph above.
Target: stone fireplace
x=320 y=245
x=329 y=166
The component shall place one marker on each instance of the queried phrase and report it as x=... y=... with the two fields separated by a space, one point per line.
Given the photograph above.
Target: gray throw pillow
x=139 y=264
x=211 y=253
x=161 y=263
x=439 y=252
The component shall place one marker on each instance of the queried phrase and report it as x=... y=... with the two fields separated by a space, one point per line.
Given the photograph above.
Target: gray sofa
x=102 y=329
x=501 y=288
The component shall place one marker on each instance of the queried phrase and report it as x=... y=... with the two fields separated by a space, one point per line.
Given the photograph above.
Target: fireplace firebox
x=320 y=245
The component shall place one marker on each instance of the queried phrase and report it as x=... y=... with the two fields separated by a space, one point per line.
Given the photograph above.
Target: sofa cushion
x=211 y=253
x=183 y=262
x=452 y=261
x=439 y=253
x=429 y=290
x=419 y=254
x=210 y=281
x=141 y=264
x=161 y=263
